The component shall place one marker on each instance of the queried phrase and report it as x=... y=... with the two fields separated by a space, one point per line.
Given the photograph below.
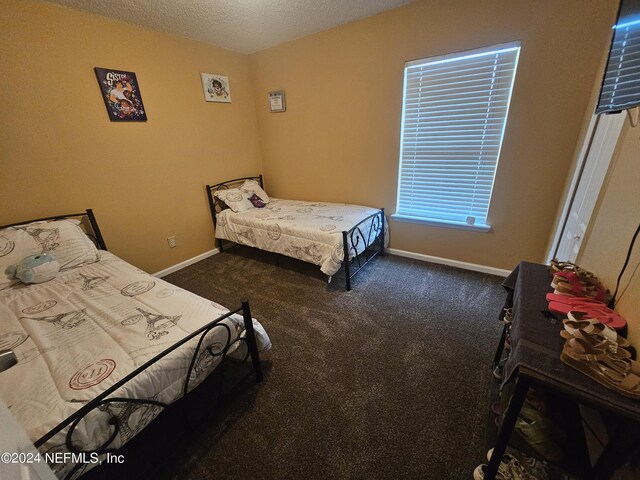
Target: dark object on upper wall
x=621 y=84
x=121 y=95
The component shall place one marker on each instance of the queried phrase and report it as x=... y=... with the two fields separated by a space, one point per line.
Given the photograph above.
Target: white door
x=587 y=185
x=18 y=453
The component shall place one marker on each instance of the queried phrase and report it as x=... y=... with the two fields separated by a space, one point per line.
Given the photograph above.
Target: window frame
x=450 y=57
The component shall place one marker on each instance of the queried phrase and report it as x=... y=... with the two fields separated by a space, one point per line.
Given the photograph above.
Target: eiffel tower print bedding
x=79 y=334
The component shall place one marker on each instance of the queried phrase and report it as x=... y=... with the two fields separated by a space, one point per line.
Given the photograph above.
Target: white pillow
x=251 y=187
x=64 y=240
x=235 y=199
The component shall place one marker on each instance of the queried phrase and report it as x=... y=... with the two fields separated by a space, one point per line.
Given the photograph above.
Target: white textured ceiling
x=244 y=26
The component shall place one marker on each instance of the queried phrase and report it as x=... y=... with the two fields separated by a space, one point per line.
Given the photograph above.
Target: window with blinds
x=453 y=120
x=621 y=85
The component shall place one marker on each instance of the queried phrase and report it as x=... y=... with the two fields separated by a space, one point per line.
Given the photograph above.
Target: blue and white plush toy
x=34 y=269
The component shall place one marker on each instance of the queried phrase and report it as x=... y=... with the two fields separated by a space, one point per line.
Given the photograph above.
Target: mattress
x=308 y=231
x=79 y=334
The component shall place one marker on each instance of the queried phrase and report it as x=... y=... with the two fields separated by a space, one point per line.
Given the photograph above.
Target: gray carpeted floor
x=390 y=380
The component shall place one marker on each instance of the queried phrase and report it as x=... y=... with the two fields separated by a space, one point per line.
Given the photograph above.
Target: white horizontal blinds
x=621 y=84
x=454 y=113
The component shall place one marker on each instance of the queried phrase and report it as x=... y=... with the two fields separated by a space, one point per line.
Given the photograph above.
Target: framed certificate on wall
x=276 y=101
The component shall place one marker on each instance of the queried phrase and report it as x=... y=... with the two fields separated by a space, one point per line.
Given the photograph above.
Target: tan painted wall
x=339 y=138
x=613 y=224
x=337 y=141
x=60 y=153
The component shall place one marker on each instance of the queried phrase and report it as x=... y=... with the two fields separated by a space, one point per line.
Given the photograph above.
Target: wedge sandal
x=598 y=342
x=599 y=366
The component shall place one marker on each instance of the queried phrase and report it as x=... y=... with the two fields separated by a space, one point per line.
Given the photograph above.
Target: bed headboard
x=215 y=204
x=87 y=219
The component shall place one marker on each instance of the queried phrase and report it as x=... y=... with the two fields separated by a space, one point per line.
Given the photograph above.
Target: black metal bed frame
x=95 y=235
x=372 y=243
x=101 y=400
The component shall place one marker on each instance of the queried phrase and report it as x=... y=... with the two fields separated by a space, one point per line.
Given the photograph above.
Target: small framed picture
x=216 y=88
x=276 y=101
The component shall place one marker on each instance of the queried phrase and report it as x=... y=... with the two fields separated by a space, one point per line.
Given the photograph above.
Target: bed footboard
x=363 y=238
x=150 y=408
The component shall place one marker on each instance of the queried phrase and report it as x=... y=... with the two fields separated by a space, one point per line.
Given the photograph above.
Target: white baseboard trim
x=186 y=263
x=446 y=261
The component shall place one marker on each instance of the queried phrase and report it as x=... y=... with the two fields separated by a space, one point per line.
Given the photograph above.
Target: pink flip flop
x=571 y=300
x=600 y=312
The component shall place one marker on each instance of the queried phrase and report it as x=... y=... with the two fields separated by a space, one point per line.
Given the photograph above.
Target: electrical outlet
x=171 y=241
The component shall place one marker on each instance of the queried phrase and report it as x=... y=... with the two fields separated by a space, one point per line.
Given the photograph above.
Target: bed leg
x=345 y=260
x=251 y=340
x=382 y=233
x=220 y=247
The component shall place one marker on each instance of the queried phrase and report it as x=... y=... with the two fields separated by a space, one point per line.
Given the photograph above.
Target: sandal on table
x=599 y=366
x=570 y=283
x=601 y=313
x=572 y=299
x=597 y=342
x=591 y=308
x=580 y=321
x=557 y=266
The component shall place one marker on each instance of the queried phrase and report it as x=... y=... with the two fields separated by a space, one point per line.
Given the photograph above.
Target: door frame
x=599 y=168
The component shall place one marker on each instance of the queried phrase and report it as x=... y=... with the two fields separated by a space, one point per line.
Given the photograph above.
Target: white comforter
x=308 y=231
x=82 y=332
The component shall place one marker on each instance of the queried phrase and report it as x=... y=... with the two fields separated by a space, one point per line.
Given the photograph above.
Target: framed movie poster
x=121 y=95
x=216 y=88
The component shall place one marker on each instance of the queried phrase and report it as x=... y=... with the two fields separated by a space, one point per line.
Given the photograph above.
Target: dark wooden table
x=534 y=361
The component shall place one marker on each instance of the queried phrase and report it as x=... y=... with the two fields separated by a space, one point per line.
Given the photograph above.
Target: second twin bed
x=321 y=233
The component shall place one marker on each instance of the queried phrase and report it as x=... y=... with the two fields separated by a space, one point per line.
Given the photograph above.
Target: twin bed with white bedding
x=321 y=233
x=104 y=347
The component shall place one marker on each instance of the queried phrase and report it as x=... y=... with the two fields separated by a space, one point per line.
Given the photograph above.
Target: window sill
x=441 y=223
